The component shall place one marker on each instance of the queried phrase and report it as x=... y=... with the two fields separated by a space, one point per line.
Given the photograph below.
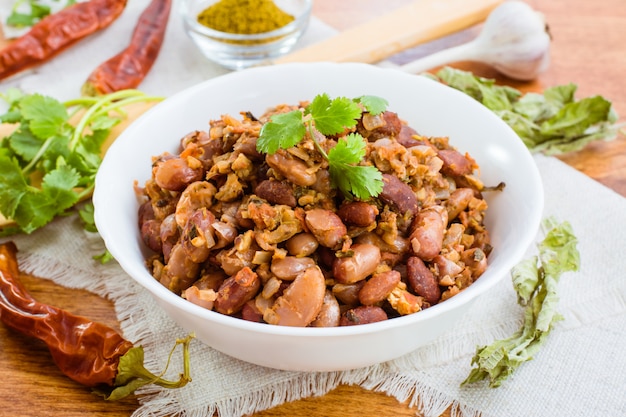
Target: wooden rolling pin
x=418 y=22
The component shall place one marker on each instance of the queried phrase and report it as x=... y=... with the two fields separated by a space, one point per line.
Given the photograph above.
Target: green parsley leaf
x=373 y=104
x=281 y=132
x=333 y=116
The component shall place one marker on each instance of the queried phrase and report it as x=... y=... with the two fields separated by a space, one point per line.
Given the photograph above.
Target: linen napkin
x=580 y=371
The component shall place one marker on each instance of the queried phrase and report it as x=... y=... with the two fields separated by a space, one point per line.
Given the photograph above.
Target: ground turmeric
x=244 y=16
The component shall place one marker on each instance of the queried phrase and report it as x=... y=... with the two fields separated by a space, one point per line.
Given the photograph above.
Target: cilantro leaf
x=46 y=164
x=333 y=116
x=46 y=116
x=373 y=104
x=282 y=131
x=362 y=182
x=12 y=187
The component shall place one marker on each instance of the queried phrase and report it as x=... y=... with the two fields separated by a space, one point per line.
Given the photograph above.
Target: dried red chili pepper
x=57 y=32
x=128 y=68
x=88 y=352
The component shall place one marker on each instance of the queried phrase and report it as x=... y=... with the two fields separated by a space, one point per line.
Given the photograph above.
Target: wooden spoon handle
x=418 y=22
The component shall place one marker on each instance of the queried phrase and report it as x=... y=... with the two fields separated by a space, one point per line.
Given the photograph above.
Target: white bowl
x=430 y=107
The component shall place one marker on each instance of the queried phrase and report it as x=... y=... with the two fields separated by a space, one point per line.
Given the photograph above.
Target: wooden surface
x=589 y=49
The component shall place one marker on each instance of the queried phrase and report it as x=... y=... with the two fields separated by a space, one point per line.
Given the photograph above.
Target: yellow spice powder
x=244 y=16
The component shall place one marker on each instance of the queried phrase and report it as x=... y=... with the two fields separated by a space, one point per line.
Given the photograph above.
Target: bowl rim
x=463 y=298
x=298 y=23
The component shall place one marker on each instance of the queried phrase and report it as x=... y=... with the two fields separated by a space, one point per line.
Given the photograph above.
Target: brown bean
x=302 y=244
x=458 y=201
x=362 y=315
x=398 y=195
x=151 y=235
x=427 y=232
x=360 y=265
x=174 y=174
x=378 y=287
x=476 y=260
x=421 y=280
x=446 y=267
x=454 y=163
x=169 y=234
x=236 y=291
x=276 y=192
x=295 y=170
x=301 y=302
x=289 y=267
x=250 y=312
x=180 y=271
x=197 y=236
x=329 y=314
x=327 y=227
x=202 y=298
x=348 y=294
x=358 y=213
x=386 y=124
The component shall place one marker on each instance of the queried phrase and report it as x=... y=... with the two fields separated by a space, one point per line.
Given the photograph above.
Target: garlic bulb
x=514 y=40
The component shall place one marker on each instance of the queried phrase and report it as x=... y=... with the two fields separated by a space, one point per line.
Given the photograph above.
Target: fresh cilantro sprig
x=25 y=13
x=48 y=164
x=330 y=117
x=553 y=122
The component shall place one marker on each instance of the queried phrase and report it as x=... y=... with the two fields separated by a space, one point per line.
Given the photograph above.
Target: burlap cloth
x=580 y=371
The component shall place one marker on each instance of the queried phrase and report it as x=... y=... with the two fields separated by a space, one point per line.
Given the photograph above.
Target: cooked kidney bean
x=169 y=235
x=360 y=265
x=378 y=287
x=398 y=195
x=151 y=234
x=348 y=294
x=476 y=260
x=421 y=280
x=180 y=272
x=197 y=237
x=295 y=170
x=301 y=302
x=327 y=227
x=236 y=291
x=289 y=267
x=427 y=232
x=329 y=314
x=302 y=244
x=175 y=174
x=458 y=201
x=276 y=192
x=358 y=213
x=362 y=315
x=454 y=163
x=446 y=267
x=386 y=124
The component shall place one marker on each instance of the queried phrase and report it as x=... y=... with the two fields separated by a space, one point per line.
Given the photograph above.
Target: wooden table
x=589 y=49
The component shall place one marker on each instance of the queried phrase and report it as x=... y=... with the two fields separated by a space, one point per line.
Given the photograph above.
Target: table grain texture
x=588 y=48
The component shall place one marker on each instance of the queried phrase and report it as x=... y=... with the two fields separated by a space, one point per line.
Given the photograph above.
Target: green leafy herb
x=551 y=123
x=330 y=117
x=47 y=164
x=535 y=281
x=26 y=13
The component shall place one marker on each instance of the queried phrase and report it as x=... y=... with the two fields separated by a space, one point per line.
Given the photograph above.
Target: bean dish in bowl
x=318 y=216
